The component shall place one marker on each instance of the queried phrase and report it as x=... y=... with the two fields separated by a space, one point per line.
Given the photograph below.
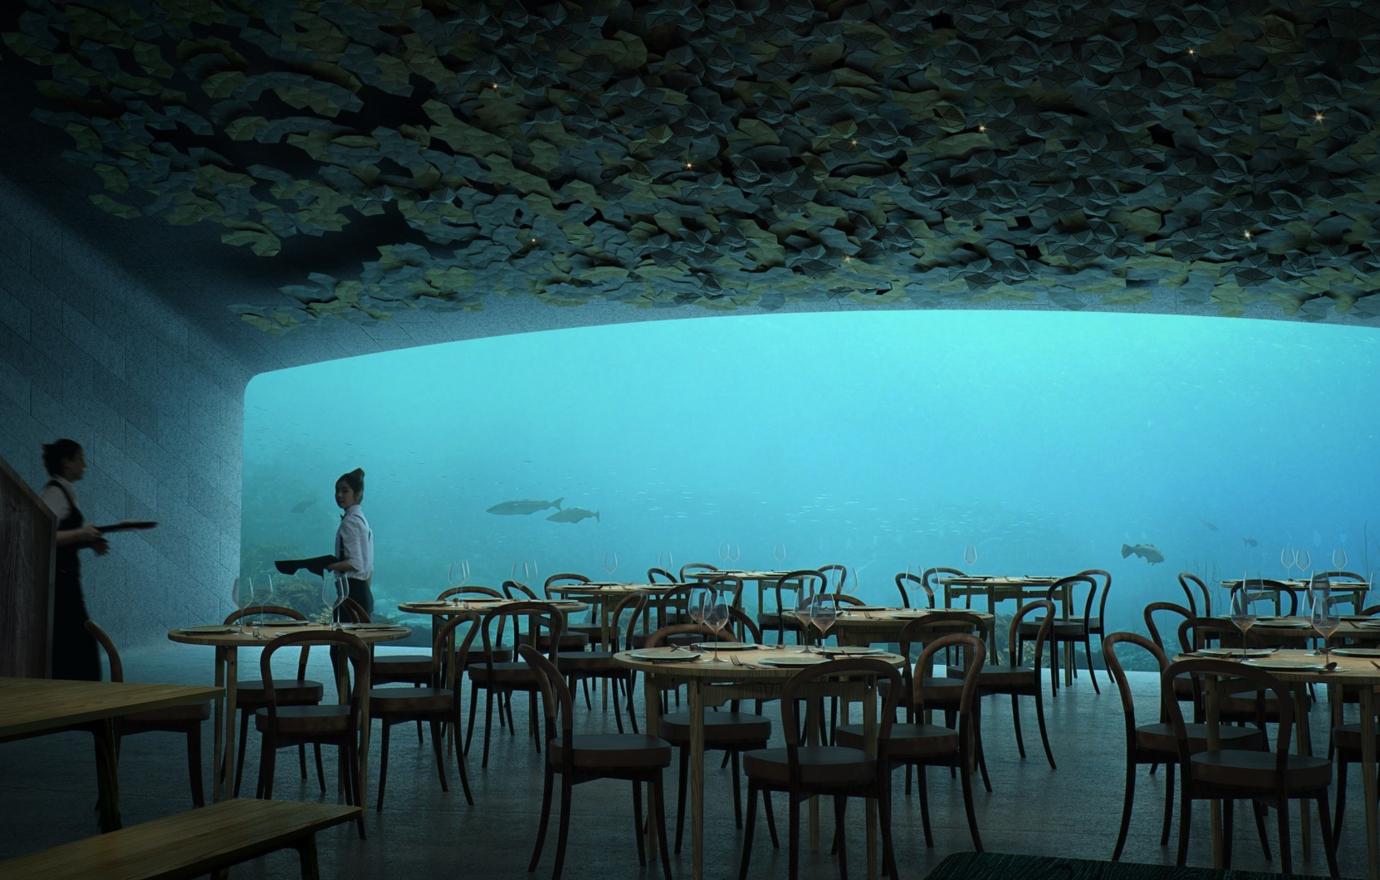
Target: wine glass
x=461 y=569
x=1287 y=558
x=715 y=616
x=242 y=594
x=1304 y=561
x=697 y=606
x=970 y=555
x=1324 y=618
x=1243 y=612
x=1339 y=558
x=803 y=600
x=778 y=553
x=334 y=590
x=263 y=595
x=823 y=612
x=610 y=563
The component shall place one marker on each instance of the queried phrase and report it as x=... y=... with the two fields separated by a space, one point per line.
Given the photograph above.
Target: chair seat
x=1254 y=769
x=775 y=620
x=612 y=752
x=999 y=676
x=721 y=729
x=1067 y=628
x=477 y=656
x=250 y=694
x=401 y=667
x=820 y=766
x=406 y=700
x=1347 y=738
x=569 y=641
x=173 y=716
x=1160 y=737
x=593 y=632
x=588 y=661
x=306 y=720
x=906 y=740
x=505 y=674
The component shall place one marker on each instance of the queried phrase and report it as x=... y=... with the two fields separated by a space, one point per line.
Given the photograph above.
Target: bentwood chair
x=732 y=732
x=438 y=704
x=1229 y=774
x=836 y=573
x=339 y=725
x=502 y=679
x=804 y=771
x=1064 y=630
x=250 y=695
x=586 y=666
x=578 y=758
x=942 y=691
x=788 y=587
x=1197 y=593
x=657 y=575
x=1276 y=591
x=921 y=744
x=1155 y=743
x=691 y=567
x=1341 y=583
x=1017 y=679
x=590 y=629
x=569 y=641
x=930 y=579
x=186 y=720
x=905 y=582
x=1180 y=616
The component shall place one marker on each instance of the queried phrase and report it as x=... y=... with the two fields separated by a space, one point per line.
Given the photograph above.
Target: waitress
x=354 y=540
x=74 y=651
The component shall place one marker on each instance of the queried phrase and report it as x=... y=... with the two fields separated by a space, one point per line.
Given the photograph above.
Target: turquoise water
x=996 y=442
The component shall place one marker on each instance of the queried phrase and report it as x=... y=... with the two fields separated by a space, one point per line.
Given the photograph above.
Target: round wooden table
x=227 y=645
x=864 y=627
x=737 y=675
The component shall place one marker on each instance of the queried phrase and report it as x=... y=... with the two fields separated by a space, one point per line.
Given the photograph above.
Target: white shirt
x=56 y=501
x=354 y=543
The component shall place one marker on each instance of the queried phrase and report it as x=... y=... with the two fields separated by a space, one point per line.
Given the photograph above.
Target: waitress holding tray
x=354 y=543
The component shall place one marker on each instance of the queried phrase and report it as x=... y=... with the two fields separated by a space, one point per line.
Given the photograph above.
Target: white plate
x=372 y=626
x=854 y=651
x=1281 y=623
x=664 y=655
x=210 y=629
x=848 y=609
x=1357 y=652
x=909 y=614
x=1227 y=653
x=793 y=659
x=725 y=646
x=1286 y=665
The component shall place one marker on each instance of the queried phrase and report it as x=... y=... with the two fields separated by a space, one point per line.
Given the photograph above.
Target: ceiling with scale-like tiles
x=367 y=159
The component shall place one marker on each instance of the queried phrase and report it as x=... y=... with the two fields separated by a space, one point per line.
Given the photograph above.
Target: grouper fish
x=522 y=508
x=1148 y=552
x=573 y=515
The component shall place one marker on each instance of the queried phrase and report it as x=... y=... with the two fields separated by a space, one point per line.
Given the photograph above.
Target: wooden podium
x=28 y=542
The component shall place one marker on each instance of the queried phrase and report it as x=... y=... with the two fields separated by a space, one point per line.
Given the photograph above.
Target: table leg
x=230 y=662
x=107 y=775
x=1304 y=746
x=870 y=743
x=992 y=627
x=221 y=709
x=696 y=688
x=651 y=690
x=813 y=712
x=1368 y=777
x=1068 y=645
x=1213 y=743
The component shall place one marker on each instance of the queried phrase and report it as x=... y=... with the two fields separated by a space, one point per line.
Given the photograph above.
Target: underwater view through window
x=994 y=442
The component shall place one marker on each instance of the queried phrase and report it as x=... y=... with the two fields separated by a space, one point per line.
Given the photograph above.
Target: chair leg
x=637 y=822
x=352 y=775
x=460 y=764
x=1286 y=863
x=751 y=825
x=968 y=809
x=488 y=723
x=1092 y=673
x=320 y=770
x=541 y=824
x=1341 y=797
x=680 y=794
x=1259 y=809
x=439 y=750
x=268 y=751
x=474 y=708
x=737 y=792
x=239 y=758
x=1044 y=733
x=302 y=760
x=1228 y=830
x=1127 y=802
x=794 y=835
x=923 y=787
x=617 y=695
x=532 y=720
x=383 y=761
x=884 y=817
x=977 y=741
x=632 y=712
x=840 y=838
x=1185 y=823
x=1016 y=720
x=563 y=830
x=1329 y=840
x=1168 y=802
x=771 y=818
x=659 y=807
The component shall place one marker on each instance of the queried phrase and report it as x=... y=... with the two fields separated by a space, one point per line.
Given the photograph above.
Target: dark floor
x=47 y=788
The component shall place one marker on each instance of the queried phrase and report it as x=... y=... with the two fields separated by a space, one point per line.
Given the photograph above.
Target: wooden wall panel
x=28 y=540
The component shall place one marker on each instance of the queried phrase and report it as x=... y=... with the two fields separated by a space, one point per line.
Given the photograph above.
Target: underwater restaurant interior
x=661 y=439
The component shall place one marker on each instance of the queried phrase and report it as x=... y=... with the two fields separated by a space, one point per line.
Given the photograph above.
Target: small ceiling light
x=689 y=165
x=847 y=259
x=854 y=142
x=1192 y=51
x=493 y=86
x=1318 y=116
x=1248 y=235
x=982 y=129
x=531 y=241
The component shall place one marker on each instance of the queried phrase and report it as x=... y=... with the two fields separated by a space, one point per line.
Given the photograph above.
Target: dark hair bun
x=359 y=472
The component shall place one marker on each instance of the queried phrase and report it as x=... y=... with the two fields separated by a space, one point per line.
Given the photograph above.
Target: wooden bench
x=192 y=844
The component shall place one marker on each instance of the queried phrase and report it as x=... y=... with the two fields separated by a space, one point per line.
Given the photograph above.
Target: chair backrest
x=657 y=575
x=1102 y=581
x=117 y=668
x=1123 y=683
x=1041 y=634
x=745 y=629
x=447 y=675
x=1341 y=577
x=1199 y=632
x=557 y=704
x=1183 y=614
x=845 y=599
x=820 y=677
x=633 y=604
x=930 y=578
x=974 y=654
x=519 y=590
x=1243 y=680
x=688 y=567
x=1268 y=588
x=936 y=625
x=1074 y=583
x=545 y=625
x=658 y=638
x=565 y=577
x=353 y=612
x=357 y=663
x=486 y=592
x=836 y=571
x=234 y=617
x=906 y=581
x=1193 y=588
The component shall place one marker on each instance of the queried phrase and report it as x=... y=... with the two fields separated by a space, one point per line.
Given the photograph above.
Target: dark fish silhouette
x=522 y=508
x=301 y=506
x=1212 y=527
x=1250 y=542
x=1148 y=552
x=573 y=515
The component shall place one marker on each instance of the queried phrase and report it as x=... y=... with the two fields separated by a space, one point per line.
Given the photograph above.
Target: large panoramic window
x=995 y=442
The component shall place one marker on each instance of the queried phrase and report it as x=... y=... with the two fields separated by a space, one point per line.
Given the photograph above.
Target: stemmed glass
x=1339 y=558
x=461 y=568
x=1324 y=618
x=263 y=595
x=610 y=563
x=1304 y=561
x=730 y=553
x=1243 y=612
x=778 y=553
x=804 y=600
x=970 y=555
x=334 y=589
x=823 y=612
x=242 y=594
x=715 y=615
x=1288 y=558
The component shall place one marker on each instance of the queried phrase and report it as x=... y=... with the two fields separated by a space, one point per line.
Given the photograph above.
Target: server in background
x=354 y=540
x=74 y=650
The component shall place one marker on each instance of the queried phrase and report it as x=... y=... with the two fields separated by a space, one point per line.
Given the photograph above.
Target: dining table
x=1003 y=588
x=756 y=672
x=1298 y=668
x=227 y=640
x=37 y=706
x=1355 y=590
x=603 y=596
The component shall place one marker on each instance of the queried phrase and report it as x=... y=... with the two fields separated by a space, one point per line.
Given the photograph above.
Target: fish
x=573 y=515
x=520 y=508
x=1211 y=527
x=1148 y=552
x=301 y=506
x=1250 y=542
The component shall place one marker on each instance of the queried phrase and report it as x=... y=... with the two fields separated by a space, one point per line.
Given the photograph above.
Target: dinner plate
x=1283 y=623
x=373 y=626
x=792 y=659
x=210 y=629
x=726 y=646
x=1234 y=652
x=285 y=623
x=1286 y=664
x=1357 y=652
x=664 y=655
x=848 y=609
x=909 y=615
x=853 y=651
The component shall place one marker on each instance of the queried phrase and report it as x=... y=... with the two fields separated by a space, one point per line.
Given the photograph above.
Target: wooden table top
x=1299 y=665
x=479 y=606
x=1301 y=584
x=985 y=580
x=212 y=634
x=33 y=705
x=741 y=574
x=742 y=665
x=1005 y=866
x=1351 y=626
x=595 y=591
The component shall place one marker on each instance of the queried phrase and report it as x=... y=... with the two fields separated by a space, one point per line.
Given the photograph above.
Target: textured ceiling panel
x=1213 y=158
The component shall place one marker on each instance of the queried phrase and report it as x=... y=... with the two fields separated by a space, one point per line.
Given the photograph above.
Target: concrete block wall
x=86 y=353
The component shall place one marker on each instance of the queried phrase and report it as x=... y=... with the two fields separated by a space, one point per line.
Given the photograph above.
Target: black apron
x=360 y=589
x=75 y=654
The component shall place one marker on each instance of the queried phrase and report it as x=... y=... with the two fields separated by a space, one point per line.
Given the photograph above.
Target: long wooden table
x=37 y=706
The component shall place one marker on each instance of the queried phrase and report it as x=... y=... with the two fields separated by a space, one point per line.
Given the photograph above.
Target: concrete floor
x=47 y=788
